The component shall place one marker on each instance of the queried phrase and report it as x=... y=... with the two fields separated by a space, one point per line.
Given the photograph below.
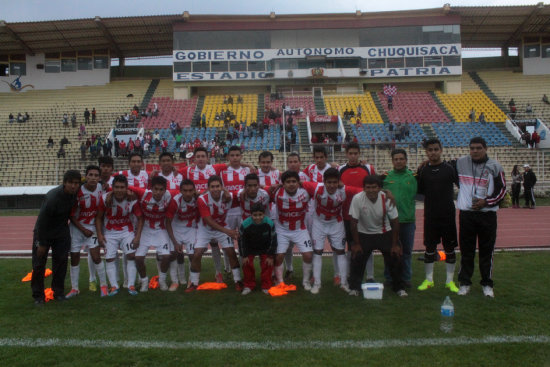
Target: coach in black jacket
x=529 y=181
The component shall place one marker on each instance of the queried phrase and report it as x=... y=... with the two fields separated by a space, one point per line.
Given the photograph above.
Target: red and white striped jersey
x=155 y=212
x=200 y=176
x=107 y=186
x=271 y=178
x=328 y=207
x=233 y=178
x=303 y=177
x=262 y=198
x=314 y=173
x=292 y=209
x=141 y=180
x=117 y=216
x=173 y=181
x=217 y=209
x=87 y=203
x=187 y=213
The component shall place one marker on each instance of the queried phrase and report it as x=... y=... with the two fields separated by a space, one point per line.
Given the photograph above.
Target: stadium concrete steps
x=302 y=132
x=380 y=108
x=441 y=106
x=428 y=131
x=261 y=107
x=149 y=94
x=509 y=136
x=485 y=88
x=319 y=103
x=198 y=111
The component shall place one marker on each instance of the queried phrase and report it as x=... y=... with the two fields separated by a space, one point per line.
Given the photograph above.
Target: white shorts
x=205 y=235
x=187 y=235
x=333 y=231
x=118 y=240
x=79 y=241
x=234 y=220
x=299 y=237
x=157 y=238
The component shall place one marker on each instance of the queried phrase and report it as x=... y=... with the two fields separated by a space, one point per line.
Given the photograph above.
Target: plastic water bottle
x=447 y=315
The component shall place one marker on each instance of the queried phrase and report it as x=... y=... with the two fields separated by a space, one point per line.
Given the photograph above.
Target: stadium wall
x=145 y=72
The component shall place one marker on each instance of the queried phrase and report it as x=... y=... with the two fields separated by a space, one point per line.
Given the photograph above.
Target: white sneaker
x=183 y=281
x=246 y=291
x=344 y=287
x=315 y=289
x=163 y=286
x=307 y=286
x=353 y=292
x=402 y=293
x=144 y=285
x=488 y=291
x=463 y=290
x=125 y=284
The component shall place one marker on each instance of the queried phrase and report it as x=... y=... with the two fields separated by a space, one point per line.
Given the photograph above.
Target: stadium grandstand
x=272 y=82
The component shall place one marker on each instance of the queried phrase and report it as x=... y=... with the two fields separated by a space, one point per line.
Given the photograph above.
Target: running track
x=517 y=228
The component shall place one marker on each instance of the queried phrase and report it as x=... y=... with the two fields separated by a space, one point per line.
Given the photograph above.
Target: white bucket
x=372 y=290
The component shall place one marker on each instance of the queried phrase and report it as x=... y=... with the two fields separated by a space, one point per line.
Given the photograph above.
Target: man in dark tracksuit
x=529 y=181
x=52 y=231
x=482 y=187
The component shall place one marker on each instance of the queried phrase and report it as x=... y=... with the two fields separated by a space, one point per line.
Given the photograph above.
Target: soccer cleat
x=72 y=293
x=132 y=291
x=191 y=288
x=39 y=302
x=425 y=285
x=104 y=291
x=402 y=293
x=452 y=287
x=353 y=292
x=337 y=281
x=246 y=291
x=219 y=278
x=488 y=291
x=307 y=286
x=289 y=274
x=173 y=287
x=463 y=290
x=163 y=286
x=315 y=289
x=93 y=287
x=144 y=285
x=344 y=287
x=113 y=292
x=60 y=298
x=239 y=286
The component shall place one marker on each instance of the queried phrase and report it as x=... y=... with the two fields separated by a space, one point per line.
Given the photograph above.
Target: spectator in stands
x=65 y=120
x=545 y=99
x=240 y=99
x=164 y=145
x=535 y=139
x=407 y=129
x=11 y=118
x=106 y=149
x=20 y=117
x=117 y=147
x=224 y=100
x=173 y=128
x=83 y=151
x=93 y=151
x=61 y=152
x=134 y=115
x=131 y=146
x=529 y=181
x=94 y=112
x=472 y=115
x=122 y=148
x=355 y=140
x=511 y=103
x=347 y=139
x=73 y=120
x=50 y=142
x=64 y=141
x=314 y=139
x=137 y=146
x=528 y=109
x=27 y=117
x=230 y=100
x=359 y=111
x=146 y=149
x=86 y=116
x=155 y=109
x=513 y=110
x=517 y=179
x=482 y=118
x=390 y=102
x=346 y=114
x=82 y=129
x=526 y=138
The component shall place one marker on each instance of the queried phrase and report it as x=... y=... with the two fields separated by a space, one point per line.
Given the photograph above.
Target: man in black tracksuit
x=529 y=181
x=52 y=231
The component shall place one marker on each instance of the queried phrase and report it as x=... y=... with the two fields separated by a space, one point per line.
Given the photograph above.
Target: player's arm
x=499 y=190
x=215 y=226
x=310 y=187
x=86 y=232
x=219 y=168
x=170 y=212
x=99 y=227
x=139 y=215
x=137 y=190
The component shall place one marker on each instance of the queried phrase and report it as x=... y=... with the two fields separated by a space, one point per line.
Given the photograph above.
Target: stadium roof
x=488 y=27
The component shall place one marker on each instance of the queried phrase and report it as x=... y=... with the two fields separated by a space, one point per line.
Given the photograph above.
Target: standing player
x=136 y=175
x=212 y=227
x=83 y=231
x=436 y=180
x=252 y=194
x=328 y=224
x=352 y=174
x=173 y=178
x=291 y=201
x=316 y=170
x=117 y=231
x=267 y=174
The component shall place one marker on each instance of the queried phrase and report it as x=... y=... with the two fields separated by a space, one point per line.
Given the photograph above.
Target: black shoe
x=39 y=302
x=371 y=280
x=60 y=298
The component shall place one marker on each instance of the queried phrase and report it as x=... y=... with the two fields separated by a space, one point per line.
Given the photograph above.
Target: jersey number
x=307 y=243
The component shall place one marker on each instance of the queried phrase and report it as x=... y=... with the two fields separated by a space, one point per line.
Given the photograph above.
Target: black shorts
x=436 y=232
x=349 y=236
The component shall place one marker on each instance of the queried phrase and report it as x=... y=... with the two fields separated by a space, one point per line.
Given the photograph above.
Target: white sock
x=100 y=268
x=343 y=265
x=279 y=273
x=336 y=266
x=75 y=272
x=162 y=278
x=125 y=269
x=217 y=259
x=226 y=262
x=317 y=267
x=306 y=271
x=450 y=272
x=111 y=273
x=174 y=271
x=91 y=267
x=370 y=267
x=181 y=272
x=132 y=270
x=288 y=260
x=194 y=278
x=429 y=267
x=236 y=274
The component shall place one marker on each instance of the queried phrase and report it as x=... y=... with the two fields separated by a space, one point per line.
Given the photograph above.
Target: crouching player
x=257 y=237
x=118 y=231
x=83 y=230
x=328 y=224
x=212 y=227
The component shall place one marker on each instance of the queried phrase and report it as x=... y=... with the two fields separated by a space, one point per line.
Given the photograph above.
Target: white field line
x=274 y=345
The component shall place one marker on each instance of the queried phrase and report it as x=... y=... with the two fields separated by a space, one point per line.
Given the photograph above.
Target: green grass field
x=284 y=329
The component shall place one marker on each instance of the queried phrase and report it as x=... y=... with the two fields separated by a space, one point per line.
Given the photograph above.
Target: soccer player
x=115 y=231
x=83 y=231
x=257 y=236
x=106 y=168
x=436 y=180
x=328 y=224
x=294 y=164
x=52 y=231
x=252 y=194
x=292 y=205
x=316 y=170
x=267 y=174
x=352 y=173
x=136 y=175
x=212 y=226
x=158 y=208
x=233 y=181
x=374 y=226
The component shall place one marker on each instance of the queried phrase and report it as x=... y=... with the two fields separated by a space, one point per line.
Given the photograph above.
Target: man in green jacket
x=401 y=181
